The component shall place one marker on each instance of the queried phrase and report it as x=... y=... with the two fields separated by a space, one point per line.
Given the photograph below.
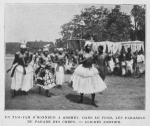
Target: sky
x=42 y=21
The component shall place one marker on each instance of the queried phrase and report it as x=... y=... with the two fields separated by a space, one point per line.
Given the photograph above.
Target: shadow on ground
x=75 y=98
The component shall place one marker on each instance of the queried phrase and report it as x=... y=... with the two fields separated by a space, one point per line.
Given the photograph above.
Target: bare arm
x=15 y=61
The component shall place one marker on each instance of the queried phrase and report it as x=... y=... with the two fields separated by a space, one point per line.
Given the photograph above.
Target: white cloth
x=130 y=65
x=141 y=67
x=111 y=65
x=87 y=80
x=21 y=81
x=59 y=75
x=123 y=71
x=123 y=68
x=68 y=65
x=140 y=58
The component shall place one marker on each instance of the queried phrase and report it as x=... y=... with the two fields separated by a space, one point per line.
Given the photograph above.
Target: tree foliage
x=119 y=25
x=138 y=12
x=104 y=25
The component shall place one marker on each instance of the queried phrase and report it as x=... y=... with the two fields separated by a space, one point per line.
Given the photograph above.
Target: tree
x=101 y=24
x=119 y=25
x=138 y=12
x=90 y=23
x=95 y=20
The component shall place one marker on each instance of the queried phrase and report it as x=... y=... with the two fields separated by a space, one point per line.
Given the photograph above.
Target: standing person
x=60 y=68
x=129 y=61
x=54 y=60
x=117 y=65
x=111 y=64
x=86 y=79
x=140 y=63
x=37 y=57
x=45 y=78
x=123 y=63
x=68 y=64
x=21 y=71
x=36 y=65
x=102 y=63
x=75 y=59
x=134 y=62
x=80 y=54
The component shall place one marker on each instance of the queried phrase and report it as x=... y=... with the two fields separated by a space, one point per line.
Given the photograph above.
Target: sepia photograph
x=74 y=56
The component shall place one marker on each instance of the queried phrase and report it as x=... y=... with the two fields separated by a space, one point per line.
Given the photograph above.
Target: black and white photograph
x=74 y=56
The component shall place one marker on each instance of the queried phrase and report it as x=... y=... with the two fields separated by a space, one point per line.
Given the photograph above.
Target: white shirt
x=140 y=58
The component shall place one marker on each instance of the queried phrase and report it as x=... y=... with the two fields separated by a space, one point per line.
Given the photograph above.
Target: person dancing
x=86 y=79
x=45 y=78
x=21 y=71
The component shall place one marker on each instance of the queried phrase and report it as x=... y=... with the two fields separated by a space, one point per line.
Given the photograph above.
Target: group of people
x=47 y=70
x=127 y=63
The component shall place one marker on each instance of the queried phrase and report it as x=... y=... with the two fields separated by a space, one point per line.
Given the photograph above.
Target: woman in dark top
x=86 y=79
x=21 y=71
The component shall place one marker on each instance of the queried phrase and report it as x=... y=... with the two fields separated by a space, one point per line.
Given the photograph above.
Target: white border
x=145 y=113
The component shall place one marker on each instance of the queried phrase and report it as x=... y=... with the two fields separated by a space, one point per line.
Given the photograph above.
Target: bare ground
x=123 y=93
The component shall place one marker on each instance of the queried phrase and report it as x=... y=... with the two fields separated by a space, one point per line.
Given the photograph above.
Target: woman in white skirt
x=21 y=72
x=60 y=69
x=86 y=79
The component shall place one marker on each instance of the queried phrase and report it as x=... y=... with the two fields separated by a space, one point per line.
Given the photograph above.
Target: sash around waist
x=20 y=68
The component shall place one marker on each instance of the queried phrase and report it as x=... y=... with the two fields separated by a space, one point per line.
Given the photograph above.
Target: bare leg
x=39 y=90
x=81 y=98
x=47 y=93
x=93 y=100
x=14 y=93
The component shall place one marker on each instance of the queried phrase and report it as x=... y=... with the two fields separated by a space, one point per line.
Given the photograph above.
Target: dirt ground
x=123 y=93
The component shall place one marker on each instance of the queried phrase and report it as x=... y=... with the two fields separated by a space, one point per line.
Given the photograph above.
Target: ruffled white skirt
x=21 y=81
x=87 y=80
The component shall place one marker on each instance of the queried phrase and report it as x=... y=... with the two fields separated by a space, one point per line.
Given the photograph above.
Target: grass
x=123 y=93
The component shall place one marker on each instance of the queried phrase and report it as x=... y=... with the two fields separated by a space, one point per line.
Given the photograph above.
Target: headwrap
x=23 y=44
x=46 y=48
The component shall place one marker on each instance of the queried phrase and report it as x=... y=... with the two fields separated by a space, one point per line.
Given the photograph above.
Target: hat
x=23 y=44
